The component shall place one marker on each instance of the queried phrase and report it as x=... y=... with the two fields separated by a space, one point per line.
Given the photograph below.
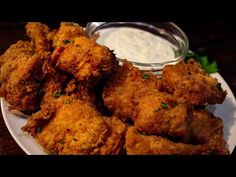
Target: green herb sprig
x=210 y=67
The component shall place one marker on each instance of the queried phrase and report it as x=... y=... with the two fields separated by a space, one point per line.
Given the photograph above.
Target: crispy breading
x=138 y=144
x=21 y=75
x=125 y=86
x=85 y=101
x=115 y=142
x=75 y=128
x=16 y=51
x=40 y=35
x=67 y=33
x=207 y=129
x=206 y=138
x=131 y=93
x=162 y=114
x=58 y=83
x=87 y=61
x=52 y=86
x=191 y=82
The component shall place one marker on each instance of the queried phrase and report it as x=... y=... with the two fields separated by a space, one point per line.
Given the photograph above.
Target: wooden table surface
x=215 y=39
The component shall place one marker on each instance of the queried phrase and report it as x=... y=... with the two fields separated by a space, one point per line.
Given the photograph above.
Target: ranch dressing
x=136 y=45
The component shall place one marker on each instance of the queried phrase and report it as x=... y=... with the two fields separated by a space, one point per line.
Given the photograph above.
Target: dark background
x=216 y=39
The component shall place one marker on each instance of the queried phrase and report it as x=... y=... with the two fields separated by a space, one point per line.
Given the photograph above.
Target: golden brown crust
x=207 y=129
x=75 y=128
x=191 y=82
x=16 y=51
x=67 y=32
x=115 y=141
x=206 y=138
x=138 y=144
x=40 y=35
x=87 y=61
x=124 y=88
x=160 y=113
x=68 y=88
x=21 y=74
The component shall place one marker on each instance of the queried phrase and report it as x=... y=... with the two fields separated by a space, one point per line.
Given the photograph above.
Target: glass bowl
x=168 y=31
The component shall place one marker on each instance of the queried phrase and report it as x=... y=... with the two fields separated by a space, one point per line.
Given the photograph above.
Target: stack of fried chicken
x=81 y=101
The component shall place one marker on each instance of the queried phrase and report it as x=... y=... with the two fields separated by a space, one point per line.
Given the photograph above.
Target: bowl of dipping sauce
x=148 y=46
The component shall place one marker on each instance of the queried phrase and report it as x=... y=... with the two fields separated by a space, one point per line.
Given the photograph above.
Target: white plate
x=227 y=111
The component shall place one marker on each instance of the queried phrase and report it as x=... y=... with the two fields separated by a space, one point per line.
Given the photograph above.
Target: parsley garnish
x=143 y=133
x=210 y=67
x=145 y=76
x=58 y=93
x=67 y=41
x=164 y=105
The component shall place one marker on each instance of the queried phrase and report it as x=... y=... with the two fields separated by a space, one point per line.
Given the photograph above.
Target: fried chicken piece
x=191 y=82
x=208 y=129
x=40 y=35
x=206 y=138
x=161 y=114
x=75 y=128
x=87 y=61
x=21 y=75
x=125 y=86
x=115 y=142
x=71 y=131
x=67 y=33
x=16 y=51
x=138 y=144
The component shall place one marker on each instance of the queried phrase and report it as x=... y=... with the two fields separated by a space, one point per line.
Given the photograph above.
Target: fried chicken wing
x=40 y=35
x=21 y=75
x=87 y=61
x=191 y=82
x=75 y=128
x=67 y=33
x=125 y=86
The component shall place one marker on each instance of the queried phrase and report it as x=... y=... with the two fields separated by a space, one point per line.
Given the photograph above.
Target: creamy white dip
x=136 y=45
